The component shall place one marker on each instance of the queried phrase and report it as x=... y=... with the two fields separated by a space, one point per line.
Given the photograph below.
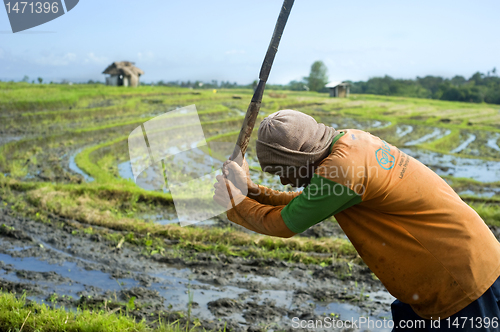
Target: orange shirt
x=428 y=247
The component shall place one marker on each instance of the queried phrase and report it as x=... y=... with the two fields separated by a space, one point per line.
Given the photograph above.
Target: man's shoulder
x=353 y=145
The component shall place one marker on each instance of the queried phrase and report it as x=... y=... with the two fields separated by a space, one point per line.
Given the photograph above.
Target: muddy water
x=4 y=139
x=442 y=164
x=487 y=193
x=493 y=142
x=46 y=259
x=74 y=167
x=436 y=134
x=464 y=144
x=403 y=130
x=170 y=217
x=346 y=123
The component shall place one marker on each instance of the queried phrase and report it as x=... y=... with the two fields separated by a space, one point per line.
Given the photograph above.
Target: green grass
x=16 y=315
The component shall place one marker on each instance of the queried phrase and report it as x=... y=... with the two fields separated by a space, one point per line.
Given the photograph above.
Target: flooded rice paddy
x=77 y=259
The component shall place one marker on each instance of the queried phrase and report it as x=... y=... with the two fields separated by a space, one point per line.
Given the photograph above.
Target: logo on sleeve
x=384 y=158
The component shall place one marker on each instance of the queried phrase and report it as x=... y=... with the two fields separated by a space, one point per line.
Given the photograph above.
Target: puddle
x=462 y=146
x=79 y=277
x=74 y=167
x=171 y=218
x=380 y=124
x=476 y=169
x=73 y=278
x=492 y=142
x=489 y=193
x=403 y=130
x=350 y=123
x=147 y=180
x=436 y=134
x=170 y=282
x=7 y=139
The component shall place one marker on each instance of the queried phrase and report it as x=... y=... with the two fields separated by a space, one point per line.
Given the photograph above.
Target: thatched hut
x=338 y=89
x=123 y=73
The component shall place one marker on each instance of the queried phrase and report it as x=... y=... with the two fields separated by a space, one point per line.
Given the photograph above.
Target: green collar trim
x=336 y=139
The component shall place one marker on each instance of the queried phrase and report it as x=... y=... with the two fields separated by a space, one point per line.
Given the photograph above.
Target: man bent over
x=431 y=250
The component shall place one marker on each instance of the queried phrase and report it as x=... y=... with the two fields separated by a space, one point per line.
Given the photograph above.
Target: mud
x=59 y=266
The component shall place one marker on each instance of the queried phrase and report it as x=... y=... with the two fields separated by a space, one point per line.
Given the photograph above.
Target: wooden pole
x=254 y=107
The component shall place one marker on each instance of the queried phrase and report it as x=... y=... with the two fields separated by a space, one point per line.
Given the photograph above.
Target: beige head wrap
x=291 y=138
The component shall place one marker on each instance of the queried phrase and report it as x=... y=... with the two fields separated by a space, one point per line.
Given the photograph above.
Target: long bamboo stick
x=254 y=107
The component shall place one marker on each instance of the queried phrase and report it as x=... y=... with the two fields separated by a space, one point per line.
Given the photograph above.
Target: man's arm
x=260 y=218
x=244 y=211
x=316 y=203
x=272 y=197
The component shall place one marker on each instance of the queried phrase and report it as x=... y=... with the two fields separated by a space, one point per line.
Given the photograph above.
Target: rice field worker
x=430 y=250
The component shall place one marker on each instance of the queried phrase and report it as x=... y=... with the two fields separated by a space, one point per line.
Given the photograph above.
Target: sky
x=226 y=40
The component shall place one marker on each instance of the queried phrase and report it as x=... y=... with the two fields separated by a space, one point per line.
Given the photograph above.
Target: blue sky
x=226 y=40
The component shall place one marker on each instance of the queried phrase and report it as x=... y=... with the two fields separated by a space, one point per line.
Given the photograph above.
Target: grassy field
x=43 y=126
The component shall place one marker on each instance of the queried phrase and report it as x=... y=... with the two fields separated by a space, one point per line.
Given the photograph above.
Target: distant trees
x=297 y=86
x=478 y=88
x=458 y=80
x=318 y=77
x=40 y=80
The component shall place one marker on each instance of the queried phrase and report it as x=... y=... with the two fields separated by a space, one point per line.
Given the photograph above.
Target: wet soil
x=61 y=266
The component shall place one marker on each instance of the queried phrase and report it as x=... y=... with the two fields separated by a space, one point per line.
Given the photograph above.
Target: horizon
x=179 y=81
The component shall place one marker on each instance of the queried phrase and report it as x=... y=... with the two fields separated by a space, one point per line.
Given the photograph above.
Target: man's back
x=429 y=248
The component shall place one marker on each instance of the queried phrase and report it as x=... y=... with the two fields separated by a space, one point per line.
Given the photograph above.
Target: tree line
x=477 y=89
